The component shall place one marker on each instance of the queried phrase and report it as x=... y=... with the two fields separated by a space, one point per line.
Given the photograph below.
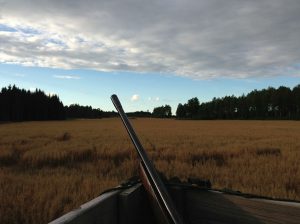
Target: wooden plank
x=102 y=209
x=134 y=207
x=212 y=207
x=196 y=206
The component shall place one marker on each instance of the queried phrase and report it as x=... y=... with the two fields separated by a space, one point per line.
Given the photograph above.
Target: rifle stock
x=159 y=216
x=151 y=181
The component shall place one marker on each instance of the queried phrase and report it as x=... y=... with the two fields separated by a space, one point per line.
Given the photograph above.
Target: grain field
x=50 y=168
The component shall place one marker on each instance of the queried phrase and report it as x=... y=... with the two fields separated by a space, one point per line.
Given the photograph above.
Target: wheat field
x=50 y=168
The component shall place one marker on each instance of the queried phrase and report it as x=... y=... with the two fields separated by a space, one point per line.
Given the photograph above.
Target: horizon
x=114 y=110
x=149 y=53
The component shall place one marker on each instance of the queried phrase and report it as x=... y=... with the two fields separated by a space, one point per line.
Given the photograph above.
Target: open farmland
x=49 y=168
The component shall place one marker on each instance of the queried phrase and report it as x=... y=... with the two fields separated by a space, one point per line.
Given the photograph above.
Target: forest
x=282 y=103
x=23 y=105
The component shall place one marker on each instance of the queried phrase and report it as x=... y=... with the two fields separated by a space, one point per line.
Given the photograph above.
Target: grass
x=50 y=168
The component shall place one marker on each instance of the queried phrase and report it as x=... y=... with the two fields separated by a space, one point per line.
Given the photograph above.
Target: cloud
x=19 y=75
x=135 y=97
x=51 y=94
x=32 y=89
x=195 y=39
x=153 y=98
x=66 y=77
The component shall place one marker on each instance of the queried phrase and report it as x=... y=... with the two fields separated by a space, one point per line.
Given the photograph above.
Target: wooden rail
x=131 y=206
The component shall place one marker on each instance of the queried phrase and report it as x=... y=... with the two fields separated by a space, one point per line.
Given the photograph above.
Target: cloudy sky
x=149 y=52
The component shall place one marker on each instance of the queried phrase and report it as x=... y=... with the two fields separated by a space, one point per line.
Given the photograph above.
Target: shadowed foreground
x=195 y=206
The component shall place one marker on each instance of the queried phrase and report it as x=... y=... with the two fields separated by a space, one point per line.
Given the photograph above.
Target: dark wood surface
x=216 y=207
x=195 y=205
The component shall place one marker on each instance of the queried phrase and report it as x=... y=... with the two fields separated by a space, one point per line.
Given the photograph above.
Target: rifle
x=151 y=181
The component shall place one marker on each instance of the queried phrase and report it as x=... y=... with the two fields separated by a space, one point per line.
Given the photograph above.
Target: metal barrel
x=163 y=198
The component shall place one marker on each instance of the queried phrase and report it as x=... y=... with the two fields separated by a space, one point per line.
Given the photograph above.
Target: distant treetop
x=271 y=103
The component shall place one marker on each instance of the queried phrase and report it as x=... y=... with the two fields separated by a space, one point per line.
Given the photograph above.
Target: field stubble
x=49 y=168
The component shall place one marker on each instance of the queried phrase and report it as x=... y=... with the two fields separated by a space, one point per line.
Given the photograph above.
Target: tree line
x=162 y=112
x=23 y=105
x=281 y=103
x=78 y=111
x=270 y=103
x=75 y=111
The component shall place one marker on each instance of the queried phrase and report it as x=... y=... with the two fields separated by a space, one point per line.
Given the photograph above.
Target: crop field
x=50 y=168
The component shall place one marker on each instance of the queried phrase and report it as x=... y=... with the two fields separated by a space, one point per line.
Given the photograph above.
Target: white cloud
x=51 y=94
x=156 y=98
x=32 y=89
x=135 y=97
x=197 y=38
x=66 y=77
x=19 y=75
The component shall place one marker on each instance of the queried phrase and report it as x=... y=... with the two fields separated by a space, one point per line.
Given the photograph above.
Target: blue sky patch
x=6 y=28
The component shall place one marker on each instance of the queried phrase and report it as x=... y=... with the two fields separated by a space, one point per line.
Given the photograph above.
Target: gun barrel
x=163 y=199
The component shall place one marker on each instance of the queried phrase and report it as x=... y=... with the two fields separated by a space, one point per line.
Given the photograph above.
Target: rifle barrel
x=164 y=200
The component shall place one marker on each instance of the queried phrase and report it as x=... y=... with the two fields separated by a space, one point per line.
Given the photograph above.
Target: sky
x=150 y=53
